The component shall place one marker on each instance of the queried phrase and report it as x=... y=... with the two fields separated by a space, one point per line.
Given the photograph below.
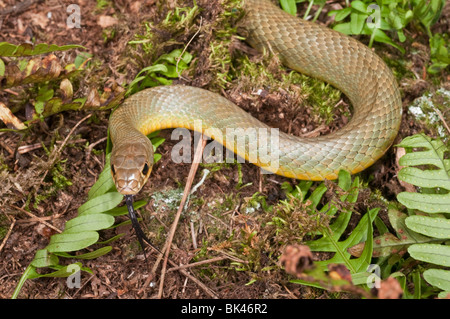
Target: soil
x=122 y=273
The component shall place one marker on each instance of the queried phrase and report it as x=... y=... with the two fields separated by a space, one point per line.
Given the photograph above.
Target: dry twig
x=197 y=158
x=208 y=261
x=186 y=46
x=8 y=233
x=37 y=218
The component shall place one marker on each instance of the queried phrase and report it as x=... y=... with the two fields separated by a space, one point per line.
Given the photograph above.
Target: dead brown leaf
x=339 y=272
x=390 y=289
x=39 y=19
x=10 y=119
x=296 y=259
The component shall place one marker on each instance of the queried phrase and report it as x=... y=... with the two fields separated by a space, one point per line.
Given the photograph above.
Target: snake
x=304 y=46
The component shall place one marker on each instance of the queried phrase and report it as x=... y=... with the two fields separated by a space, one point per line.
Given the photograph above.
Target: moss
x=322 y=98
x=292 y=220
x=400 y=67
x=181 y=18
x=220 y=33
x=56 y=181
x=158 y=37
x=103 y=4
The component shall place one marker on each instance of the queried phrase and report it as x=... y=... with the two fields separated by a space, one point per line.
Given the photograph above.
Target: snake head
x=131 y=165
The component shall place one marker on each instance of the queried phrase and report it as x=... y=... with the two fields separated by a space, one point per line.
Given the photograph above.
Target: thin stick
x=72 y=130
x=38 y=218
x=82 y=286
x=197 y=159
x=7 y=148
x=52 y=160
x=208 y=261
x=184 y=285
x=8 y=233
x=441 y=117
x=185 y=273
x=28 y=148
x=91 y=146
x=11 y=92
x=186 y=46
x=193 y=235
x=18 y=8
x=208 y=291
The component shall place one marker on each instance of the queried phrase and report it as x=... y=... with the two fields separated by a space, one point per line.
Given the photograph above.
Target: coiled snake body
x=301 y=45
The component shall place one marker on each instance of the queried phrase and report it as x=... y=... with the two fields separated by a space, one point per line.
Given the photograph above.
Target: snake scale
x=304 y=46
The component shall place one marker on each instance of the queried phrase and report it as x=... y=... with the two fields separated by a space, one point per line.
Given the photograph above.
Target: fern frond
x=435 y=177
x=428 y=168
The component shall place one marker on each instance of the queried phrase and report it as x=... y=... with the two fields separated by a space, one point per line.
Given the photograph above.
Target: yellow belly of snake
x=301 y=45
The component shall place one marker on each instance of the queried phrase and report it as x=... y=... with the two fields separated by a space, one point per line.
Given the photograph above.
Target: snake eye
x=145 y=169
x=113 y=170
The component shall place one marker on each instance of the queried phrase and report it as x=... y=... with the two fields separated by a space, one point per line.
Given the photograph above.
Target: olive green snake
x=303 y=46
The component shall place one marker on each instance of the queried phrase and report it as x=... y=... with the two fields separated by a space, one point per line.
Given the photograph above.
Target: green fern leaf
x=351 y=191
x=87 y=223
x=44 y=259
x=429 y=203
x=100 y=203
x=104 y=182
x=438 y=277
x=72 y=242
x=436 y=175
x=429 y=226
x=431 y=253
x=428 y=168
x=433 y=152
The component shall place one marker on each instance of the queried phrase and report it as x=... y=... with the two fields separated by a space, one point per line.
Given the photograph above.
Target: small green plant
x=290 y=6
x=439 y=51
x=330 y=237
x=53 y=92
x=381 y=19
x=220 y=58
x=81 y=232
x=181 y=18
x=374 y=19
x=101 y=207
x=102 y=4
x=427 y=12
x=177 y=23
x=59 y=181
x=166 y=67
x=384 y=17
x=434 y=180
x=326 y=223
